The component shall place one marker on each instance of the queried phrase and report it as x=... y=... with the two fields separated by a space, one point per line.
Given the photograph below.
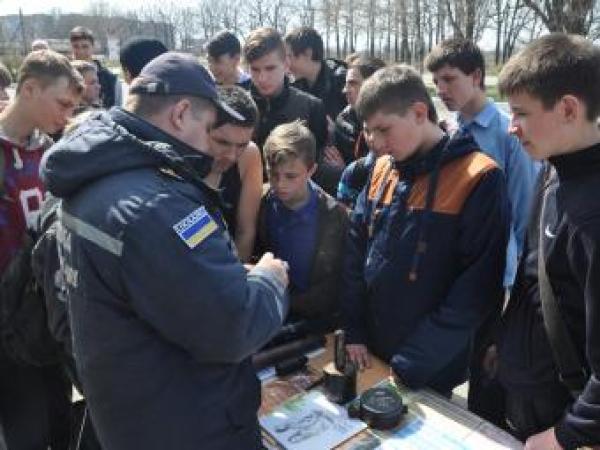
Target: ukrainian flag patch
x=195 y=227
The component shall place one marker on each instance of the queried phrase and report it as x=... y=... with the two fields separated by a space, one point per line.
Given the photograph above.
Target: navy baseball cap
x=175 y=73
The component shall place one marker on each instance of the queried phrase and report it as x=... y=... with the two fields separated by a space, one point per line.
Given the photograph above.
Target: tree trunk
x=418 y=35
x=498 y=30
x=396 y=31
x=405 y=55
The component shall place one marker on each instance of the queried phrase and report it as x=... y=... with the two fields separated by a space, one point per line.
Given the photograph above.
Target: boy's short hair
x=84 y=66
x=366 y=65
x=553 y=66
x=48 y=66
x=223 y=43
x=139 y=51
x=239 y=100
x=5 y=76
x=457 y=52
x=261 y=42
x=80 y=33
x=393 y=90
x=303 y=38
x=289 y=141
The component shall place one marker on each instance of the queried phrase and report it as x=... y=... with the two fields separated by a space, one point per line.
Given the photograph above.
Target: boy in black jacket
x=323 y=78
x=553 y=91
x=277 y=101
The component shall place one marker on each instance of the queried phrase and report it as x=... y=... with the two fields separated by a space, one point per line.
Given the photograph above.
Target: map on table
x=310 y=421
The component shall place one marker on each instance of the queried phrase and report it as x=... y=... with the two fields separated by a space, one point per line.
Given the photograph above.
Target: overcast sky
x=67 y=6
x=79 y=6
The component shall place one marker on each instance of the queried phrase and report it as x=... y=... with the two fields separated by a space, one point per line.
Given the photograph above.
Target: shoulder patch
x=195 y=227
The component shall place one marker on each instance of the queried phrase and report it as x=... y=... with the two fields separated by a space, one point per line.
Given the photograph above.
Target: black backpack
x=24 y=309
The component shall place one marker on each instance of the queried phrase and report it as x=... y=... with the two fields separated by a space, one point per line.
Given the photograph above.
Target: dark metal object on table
x=339 y=350
x=380 y=408
x=339 y=377
x=286 y=351
x=291 y=365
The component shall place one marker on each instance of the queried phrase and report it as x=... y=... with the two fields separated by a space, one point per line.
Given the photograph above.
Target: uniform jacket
x=163 y=314
x=321 y=301
x=421 y=274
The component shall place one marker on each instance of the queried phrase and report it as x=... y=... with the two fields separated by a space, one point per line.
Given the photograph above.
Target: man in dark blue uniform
x=164 y=316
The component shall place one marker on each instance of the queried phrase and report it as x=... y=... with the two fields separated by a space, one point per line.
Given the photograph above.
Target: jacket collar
x=447 y=149
x=576 y=164
x=273 y=102
x=200 y=162
x=483 y=118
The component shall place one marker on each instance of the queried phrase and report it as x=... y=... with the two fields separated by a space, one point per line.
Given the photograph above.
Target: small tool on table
x=340 y=376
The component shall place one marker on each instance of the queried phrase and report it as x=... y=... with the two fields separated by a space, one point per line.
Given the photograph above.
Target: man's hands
x=278 y=267
x=546 y=440
x=359 y=355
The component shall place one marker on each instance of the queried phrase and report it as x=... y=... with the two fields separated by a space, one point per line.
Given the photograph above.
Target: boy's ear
x=420 y=111
x=477 y=77
x=312 y=170
x=29 y=88
x=571 y=108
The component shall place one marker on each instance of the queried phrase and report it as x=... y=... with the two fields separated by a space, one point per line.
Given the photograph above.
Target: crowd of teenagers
x=151 y=243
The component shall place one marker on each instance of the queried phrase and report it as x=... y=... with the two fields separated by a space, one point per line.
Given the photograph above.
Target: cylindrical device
x=340 y=387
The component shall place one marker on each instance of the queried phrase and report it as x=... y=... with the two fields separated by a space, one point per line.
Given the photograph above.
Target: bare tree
x=468 y=18
x=570 y=16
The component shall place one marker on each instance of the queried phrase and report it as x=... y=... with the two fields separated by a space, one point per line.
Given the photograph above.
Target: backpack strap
x=571 y=371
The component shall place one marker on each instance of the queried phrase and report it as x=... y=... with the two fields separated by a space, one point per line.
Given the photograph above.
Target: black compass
x=380 y=407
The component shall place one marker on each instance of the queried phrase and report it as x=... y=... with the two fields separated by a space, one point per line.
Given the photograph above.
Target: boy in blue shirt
x=302 y=224
x=458 y=70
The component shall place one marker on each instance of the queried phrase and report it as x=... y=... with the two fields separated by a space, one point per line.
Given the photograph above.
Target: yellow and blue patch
x=195 y=227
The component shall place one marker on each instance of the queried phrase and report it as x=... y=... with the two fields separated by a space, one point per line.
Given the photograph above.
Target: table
x=432 y=421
